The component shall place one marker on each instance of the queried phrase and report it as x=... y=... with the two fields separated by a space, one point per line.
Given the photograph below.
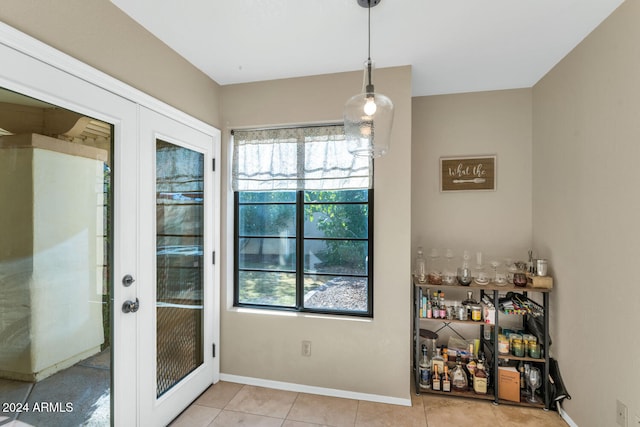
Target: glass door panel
x=177 y=318
x=56 y=265
x=179 y=262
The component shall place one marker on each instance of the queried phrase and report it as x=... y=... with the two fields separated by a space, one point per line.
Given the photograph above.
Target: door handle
x=130 y=306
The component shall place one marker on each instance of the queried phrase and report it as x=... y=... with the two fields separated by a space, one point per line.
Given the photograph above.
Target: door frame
x=35 y=69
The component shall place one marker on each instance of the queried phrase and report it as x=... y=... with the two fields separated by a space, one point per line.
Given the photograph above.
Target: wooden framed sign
x=467 y=173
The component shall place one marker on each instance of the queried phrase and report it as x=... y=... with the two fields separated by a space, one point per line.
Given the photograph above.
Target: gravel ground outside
x=341 y=293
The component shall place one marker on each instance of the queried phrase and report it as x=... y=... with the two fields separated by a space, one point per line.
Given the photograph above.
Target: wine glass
x=495 y=264
x=464 y=276
x=534 y=380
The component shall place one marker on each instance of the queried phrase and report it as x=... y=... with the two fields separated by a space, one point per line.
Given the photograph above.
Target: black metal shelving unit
x=493 y=291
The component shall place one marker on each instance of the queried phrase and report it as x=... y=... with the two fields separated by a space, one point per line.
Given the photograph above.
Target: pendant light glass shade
x=368 y=116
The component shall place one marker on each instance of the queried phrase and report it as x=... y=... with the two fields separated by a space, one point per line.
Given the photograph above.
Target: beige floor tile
x=195 y=416
x=292 y=423
x=233 y=419
x=509 y=415
x=371 y=414
x=219 y=394
x=324 y=410
x=262 y=401
x=451 y=411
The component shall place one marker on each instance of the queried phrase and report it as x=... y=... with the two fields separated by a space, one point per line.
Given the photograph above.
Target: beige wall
x=99 y=34
x=586 y=139
x=497 y=223
x=484 y=123
x=363 y=356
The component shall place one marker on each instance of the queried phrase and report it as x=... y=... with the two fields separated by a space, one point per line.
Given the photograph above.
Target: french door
x=176 y=321
x=163 y=296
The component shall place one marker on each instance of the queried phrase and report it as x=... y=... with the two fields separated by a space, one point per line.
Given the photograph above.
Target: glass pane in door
x=55 y=265
x=180 y=270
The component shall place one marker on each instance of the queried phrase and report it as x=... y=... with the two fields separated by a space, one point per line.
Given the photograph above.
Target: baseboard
x=566 y=416
x=301 y=388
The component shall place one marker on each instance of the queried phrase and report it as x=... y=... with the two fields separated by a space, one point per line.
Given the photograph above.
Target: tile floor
x=229 y=404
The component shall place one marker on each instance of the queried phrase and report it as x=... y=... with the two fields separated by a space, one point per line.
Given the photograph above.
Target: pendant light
x=368 y=116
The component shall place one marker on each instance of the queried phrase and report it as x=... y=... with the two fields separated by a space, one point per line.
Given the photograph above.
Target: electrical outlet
x=306 y=348
x=621 y=414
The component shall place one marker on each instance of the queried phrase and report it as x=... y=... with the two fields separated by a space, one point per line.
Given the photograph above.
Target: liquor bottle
x=437 y=361
x=471 y=366
x=459 y=380
x=435 y=378
x=469 y=302
x=443 y=307
x=425 y=369
x=434 y=305
x=523 y=386
x=429 y=313
x=446 y=382
x=480 y=379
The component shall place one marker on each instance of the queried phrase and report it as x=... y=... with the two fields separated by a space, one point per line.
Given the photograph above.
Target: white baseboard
x=301 y=388
x=566 y=416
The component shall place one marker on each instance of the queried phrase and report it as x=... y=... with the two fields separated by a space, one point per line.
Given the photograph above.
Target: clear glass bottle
x=425 y=368
x=434 y=269
x=449 y=269
x=420 y=271
x=437 y=362
x=480 y=274
x=459 y=380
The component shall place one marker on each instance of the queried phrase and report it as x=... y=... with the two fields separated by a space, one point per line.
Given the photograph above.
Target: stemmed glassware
x=495 y=264
x=464 y=276
x=534 y=380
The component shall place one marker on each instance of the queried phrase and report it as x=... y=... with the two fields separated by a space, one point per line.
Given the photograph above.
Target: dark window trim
x=300 y=259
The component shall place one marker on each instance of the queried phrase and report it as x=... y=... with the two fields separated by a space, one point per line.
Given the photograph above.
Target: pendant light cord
x=369 y=34
x=369 y=88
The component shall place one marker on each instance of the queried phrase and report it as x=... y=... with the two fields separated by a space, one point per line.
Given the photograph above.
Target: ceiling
x=453 y=46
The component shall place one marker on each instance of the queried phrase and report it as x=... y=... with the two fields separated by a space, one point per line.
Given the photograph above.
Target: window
x=303 y=223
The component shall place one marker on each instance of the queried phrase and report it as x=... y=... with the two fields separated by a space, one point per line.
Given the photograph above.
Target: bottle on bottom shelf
x=425 y=369
x=459 y=380
x=480 y=378
x=435 y=378
x=446 y=381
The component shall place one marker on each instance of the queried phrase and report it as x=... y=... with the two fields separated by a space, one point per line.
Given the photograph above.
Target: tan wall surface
x=586 y=131
x=467 y=125
x=496 y=223
x=99 y=34
x=365 y=356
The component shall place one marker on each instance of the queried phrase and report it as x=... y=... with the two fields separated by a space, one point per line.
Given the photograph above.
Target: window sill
x=298 y=314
